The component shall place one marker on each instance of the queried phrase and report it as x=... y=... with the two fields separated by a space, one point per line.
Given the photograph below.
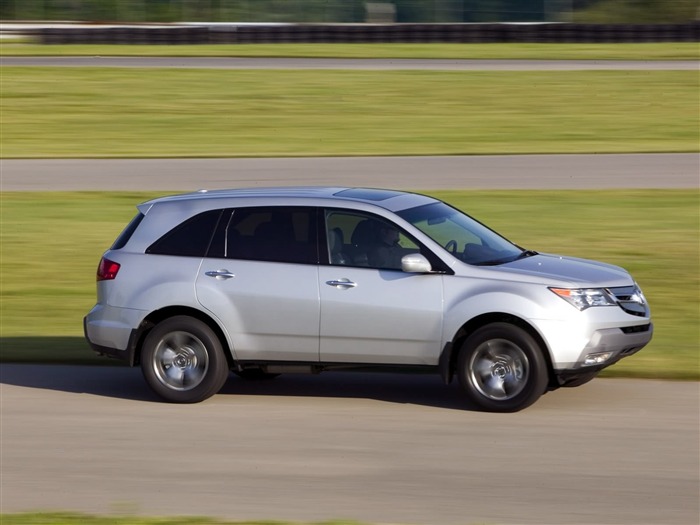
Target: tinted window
x=189 y=239
x=359 y=239
x=464 y=237
x=280 y=234
x=128 y=232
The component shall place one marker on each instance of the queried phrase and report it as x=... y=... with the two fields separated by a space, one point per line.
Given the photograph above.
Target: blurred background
x=354 y=11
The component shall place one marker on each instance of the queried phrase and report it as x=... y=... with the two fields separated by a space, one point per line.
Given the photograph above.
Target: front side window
x=462 y=236
x=278 y=234
x=360 y=239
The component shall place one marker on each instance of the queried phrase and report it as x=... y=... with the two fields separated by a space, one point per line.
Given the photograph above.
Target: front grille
x=630 y=299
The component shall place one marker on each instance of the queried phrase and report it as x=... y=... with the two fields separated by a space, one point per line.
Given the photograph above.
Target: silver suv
x=270 y=281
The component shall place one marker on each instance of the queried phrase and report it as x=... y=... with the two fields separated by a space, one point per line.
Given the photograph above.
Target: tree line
x=353 y=11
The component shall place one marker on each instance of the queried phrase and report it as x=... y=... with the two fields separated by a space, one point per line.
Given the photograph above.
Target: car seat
x=363 y=238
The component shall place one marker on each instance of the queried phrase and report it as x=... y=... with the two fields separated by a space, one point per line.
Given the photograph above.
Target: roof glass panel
x=367 y=194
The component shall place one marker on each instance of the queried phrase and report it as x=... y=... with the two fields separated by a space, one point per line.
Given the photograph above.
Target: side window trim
x=217 y=246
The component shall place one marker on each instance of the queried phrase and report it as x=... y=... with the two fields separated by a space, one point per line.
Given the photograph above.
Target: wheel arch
x=157 y=316
x=449 y=357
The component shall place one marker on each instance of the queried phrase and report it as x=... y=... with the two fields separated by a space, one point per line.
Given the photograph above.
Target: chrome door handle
x=220 y=274
x=342 y=283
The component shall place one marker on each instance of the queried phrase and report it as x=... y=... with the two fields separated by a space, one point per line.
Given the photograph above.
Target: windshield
x=462 y=236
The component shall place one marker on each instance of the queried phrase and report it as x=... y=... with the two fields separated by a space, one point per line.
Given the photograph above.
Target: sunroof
x=366 y=194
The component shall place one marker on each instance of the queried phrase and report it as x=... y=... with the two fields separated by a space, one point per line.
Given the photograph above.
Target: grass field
x=86 y=112
x=66 y=518
x=654 y=234
x=639 y=51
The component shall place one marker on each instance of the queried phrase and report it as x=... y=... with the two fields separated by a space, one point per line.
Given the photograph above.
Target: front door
x=371 y=311
x=380 y=316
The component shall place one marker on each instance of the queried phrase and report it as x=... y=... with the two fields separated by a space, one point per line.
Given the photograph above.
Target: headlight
x=583 y=298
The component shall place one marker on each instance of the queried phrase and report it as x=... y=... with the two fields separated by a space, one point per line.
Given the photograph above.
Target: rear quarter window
x=190 y=238
x=125 y=235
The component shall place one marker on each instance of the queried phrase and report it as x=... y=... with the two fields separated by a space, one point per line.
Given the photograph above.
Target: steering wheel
x=451 y=247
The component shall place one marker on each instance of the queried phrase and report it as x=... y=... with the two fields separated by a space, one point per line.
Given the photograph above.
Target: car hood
x=556 y=270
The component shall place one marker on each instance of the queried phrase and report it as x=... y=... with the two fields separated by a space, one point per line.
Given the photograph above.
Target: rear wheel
x=183 y=361
x=502 y=368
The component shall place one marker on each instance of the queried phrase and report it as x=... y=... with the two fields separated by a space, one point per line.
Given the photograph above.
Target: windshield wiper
x=526 y=253
x=504 y=260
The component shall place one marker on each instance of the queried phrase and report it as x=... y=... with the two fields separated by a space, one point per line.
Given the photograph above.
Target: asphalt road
x=450 y=172
x=350 y=63
x=372 y=447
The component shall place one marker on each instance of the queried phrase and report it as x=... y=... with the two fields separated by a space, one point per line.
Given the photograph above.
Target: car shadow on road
x=403 y=388
x=127 y=383
x=108 y=381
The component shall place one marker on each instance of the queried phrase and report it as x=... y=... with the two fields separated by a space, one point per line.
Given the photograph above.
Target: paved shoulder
x=413 y=173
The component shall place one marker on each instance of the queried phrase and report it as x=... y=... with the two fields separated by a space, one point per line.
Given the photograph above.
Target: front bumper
x=613 y=344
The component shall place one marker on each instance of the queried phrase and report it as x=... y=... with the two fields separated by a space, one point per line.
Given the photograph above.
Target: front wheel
x=502 y=368
x=183 y=361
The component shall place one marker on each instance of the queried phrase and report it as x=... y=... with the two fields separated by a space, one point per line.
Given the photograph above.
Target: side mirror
x=415 y=263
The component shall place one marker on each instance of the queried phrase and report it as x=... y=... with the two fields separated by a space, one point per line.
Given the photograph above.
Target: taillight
x=107 y=270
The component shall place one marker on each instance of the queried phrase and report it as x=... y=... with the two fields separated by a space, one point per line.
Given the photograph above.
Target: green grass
x=88 y=112
x=51 y=243
x=641 y=51
x=70 y=518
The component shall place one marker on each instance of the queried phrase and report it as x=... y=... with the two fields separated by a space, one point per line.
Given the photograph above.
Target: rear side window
x=189 y=239
x=128 y=232
x=278 y=234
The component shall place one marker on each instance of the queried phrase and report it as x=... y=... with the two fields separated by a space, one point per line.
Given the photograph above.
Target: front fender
x=504 y=303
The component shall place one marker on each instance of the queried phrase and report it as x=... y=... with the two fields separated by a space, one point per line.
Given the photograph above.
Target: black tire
x=183 y=361
x=502 y=368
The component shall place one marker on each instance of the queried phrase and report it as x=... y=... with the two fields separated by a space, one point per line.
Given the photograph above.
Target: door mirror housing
x=415 y=263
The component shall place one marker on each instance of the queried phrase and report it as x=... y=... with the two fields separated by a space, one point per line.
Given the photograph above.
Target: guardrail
x=368 y=33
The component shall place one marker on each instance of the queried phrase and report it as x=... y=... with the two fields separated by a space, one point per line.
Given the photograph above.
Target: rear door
x=260 y=279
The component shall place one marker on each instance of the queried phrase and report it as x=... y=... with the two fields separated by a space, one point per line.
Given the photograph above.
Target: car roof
x=392 y=200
